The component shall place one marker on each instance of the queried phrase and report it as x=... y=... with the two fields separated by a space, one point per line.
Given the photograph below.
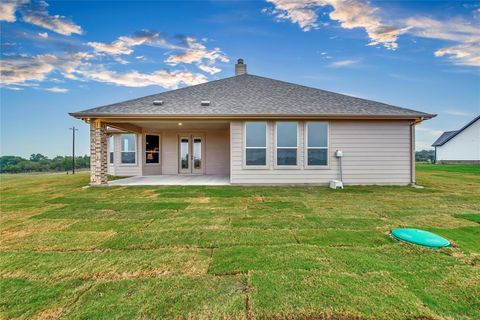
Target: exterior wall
x=463 y=147
x=374 y=152
x=216 y=154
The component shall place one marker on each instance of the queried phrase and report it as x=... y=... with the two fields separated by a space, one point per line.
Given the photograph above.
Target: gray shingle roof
x=448 y=135
x=444 y=138
x=250 y=95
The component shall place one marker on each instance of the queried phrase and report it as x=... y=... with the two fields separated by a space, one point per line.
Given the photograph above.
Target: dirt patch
x=201 y=200
x=49 y=314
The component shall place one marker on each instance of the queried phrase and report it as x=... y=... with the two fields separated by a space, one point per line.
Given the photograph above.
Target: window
x=287 y=143
x=152 y=148
x=256 y=143
x=128 y=148
x=110 y=150
x=317 y=143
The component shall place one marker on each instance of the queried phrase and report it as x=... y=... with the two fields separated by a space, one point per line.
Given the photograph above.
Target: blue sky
x=59 y=57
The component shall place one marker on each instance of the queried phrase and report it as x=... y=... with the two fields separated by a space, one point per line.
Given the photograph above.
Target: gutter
x=87 y=116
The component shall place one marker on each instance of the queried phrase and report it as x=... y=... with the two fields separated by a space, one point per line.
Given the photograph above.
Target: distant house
x=254 y=130
x=459 y=146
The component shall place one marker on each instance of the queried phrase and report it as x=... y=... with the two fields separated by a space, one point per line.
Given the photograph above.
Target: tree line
x=40 y=163
x=425 y=156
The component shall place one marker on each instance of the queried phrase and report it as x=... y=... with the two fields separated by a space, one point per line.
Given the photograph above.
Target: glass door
x=184 y=155
x=197 y=155
x=191 y=157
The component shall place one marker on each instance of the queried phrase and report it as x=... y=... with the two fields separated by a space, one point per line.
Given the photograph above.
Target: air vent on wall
x=205 y=103
x=158 y=102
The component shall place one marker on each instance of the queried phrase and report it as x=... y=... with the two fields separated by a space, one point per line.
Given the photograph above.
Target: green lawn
x=238 y=252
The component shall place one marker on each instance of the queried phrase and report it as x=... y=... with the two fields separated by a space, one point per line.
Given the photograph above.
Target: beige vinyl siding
x=169 y=152
x=217 y=152
x=375 y=152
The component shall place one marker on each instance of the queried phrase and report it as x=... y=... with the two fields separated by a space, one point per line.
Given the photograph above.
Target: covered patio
x=173 y=180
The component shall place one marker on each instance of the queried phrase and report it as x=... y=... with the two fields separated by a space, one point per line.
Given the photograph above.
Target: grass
x=238 y=252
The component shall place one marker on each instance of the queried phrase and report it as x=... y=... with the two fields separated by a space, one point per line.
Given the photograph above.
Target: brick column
x=98 y=153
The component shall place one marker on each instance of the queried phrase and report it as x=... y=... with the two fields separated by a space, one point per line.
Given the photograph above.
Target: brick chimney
x=240 y=67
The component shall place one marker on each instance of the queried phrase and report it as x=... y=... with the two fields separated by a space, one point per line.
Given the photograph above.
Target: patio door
x=191 y=154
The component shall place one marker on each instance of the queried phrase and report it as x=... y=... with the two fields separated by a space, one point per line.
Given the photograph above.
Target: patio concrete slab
x=173 y=180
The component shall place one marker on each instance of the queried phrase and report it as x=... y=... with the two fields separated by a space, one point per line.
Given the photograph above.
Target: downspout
x=412 y=151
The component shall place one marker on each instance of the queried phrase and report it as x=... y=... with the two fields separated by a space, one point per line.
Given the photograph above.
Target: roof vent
x=205 y=103
x=158 y=102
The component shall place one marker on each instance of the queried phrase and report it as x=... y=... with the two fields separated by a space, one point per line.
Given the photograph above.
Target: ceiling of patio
x=180 y=125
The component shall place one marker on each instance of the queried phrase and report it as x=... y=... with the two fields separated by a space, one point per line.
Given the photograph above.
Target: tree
x=37 y=157
x=40 y=163
x=425 y=156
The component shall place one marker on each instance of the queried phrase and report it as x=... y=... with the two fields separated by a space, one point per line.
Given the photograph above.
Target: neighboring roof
x=250 y=95
x=449 y=135
x=444 y=138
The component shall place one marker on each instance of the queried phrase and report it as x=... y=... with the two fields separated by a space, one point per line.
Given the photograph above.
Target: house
x=254 y=130
x=459 y=146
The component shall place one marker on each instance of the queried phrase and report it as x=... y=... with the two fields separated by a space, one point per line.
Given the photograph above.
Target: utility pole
x=73 y=148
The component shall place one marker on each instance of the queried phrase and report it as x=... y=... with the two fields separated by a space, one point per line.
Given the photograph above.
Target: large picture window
x=317 y=143
x=129 y=147
x=152 y=149
x=110 y=150
x=255 y=143
x=287 y=143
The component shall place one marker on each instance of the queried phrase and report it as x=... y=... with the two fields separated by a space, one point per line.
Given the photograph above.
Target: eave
x=126 y=117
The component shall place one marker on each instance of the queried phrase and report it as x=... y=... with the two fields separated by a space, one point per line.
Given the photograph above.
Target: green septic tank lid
x=420 y=237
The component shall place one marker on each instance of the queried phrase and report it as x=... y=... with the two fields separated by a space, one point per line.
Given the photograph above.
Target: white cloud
x=163 y=78
x=343 y=63
x=458 y=113
x=350 y=14
x=464 y=35
x=26 y=70
x=429 y=131
x=21 y=69
x=209 y=69
x=124 y=44
x=8 y=9
x=57 y=90
x=191 y=52
x=36 y=13
x=43 y=34
x=198 y=54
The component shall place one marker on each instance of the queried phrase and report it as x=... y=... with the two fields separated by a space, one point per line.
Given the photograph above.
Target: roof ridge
x=342 y=94
x=454 y=133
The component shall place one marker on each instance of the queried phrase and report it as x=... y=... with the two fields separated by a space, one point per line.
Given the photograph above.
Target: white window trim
x=159 y=148
x=326 y=166
x=112 y=145
x=136 y=151
x=267 y=158
x=286 y=166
